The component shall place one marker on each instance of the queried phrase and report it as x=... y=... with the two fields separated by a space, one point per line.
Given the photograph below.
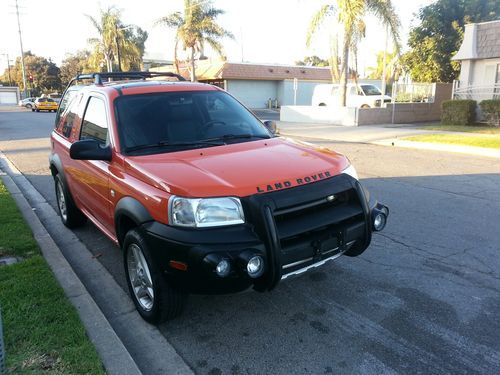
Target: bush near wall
x=491 y=111
x=458 y=112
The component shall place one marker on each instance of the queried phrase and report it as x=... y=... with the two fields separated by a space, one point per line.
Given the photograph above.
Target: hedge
x=458 y=112
x=491 y=111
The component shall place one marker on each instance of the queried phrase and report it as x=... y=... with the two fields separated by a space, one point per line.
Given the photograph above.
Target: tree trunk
x=193 y=72
x=345 y=72
x=176 y=59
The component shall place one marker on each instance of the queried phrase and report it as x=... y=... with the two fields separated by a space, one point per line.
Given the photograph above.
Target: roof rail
x=98 y=77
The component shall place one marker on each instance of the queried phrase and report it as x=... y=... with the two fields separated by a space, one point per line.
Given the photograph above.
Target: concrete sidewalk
x=385 y=135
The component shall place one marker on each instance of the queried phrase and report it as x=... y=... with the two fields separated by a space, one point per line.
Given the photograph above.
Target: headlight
x=351 y=172
x=205 y=212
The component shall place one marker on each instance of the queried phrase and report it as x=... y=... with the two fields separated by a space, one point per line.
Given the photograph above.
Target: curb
x=115 y=357
x=470 y=150
x=107 y=328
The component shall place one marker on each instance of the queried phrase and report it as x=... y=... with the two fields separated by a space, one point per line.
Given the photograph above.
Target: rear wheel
x=71 y=216
x=29 y=106
x=155 y=299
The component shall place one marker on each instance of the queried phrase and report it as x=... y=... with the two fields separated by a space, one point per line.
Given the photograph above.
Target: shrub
x=491 y=111
x=458 y=112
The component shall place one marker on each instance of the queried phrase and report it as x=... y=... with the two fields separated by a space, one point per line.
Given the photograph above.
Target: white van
x=360 y=96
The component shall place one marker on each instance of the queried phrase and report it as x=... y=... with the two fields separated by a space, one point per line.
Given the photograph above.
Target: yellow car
x=45 y=104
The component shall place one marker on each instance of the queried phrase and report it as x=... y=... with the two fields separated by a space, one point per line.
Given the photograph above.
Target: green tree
x=118 y=45
x=349 y=15
x=439 y=36
x=44 y=72
x=195 y=27
x=74 y=64
x=313 y=61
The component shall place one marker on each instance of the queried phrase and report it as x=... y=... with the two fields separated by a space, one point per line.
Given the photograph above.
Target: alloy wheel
x=140 y=277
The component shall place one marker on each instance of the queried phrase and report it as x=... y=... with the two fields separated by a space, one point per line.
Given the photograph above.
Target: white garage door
x=254 y=94
x=8 y=97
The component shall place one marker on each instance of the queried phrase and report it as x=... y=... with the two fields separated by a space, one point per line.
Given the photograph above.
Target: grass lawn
x=481 y=129
x=477 y=141
x=42 y=330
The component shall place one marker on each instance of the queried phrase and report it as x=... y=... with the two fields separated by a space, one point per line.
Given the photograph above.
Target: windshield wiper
x=226 y=137
x=160 y=144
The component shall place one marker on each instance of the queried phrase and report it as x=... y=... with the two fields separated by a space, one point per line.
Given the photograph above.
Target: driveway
x=424 y=298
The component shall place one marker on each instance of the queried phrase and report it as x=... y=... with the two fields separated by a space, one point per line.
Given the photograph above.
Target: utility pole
x=383 y=64
x=22 y=52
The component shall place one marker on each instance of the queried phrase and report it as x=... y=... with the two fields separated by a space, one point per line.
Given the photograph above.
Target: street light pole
x=22 y=52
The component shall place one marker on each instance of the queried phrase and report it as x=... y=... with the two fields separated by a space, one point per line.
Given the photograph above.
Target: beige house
x=479 y=55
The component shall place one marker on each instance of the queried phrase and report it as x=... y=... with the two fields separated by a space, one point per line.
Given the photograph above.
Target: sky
x=266 y=31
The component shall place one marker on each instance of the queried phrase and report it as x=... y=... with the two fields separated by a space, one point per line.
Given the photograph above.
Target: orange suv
x=201 y=196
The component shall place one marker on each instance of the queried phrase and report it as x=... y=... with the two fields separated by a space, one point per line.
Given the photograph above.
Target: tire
x=322 y=104
x=155 y=299
x=29 y=106
x=37 y=110
x=364 y=106
x=32 y=109
x=71 y=216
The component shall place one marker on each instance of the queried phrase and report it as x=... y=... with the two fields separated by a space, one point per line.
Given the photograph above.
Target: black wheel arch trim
x=132 y=209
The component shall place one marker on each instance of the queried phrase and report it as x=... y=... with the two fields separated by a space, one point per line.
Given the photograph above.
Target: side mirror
x=90 y=149
x=271 y=126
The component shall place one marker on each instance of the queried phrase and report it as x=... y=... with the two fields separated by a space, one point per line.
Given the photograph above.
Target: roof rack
x=98 y=77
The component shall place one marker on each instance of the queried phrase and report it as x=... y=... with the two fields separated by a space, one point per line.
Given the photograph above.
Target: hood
x=240 y=169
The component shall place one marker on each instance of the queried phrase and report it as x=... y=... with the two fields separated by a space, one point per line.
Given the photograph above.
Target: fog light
x=255 y=266
x=223 y=268
x=379 y=221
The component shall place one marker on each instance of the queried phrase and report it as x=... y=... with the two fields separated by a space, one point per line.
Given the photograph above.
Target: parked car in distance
x=28 y=103
x=359 y=96
x=55 y=96
x=200 y=195
x=45 y=104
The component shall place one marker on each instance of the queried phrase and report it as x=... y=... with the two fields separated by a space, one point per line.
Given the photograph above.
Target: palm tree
x=196 y=27
x=350 y=16
x=114 y=42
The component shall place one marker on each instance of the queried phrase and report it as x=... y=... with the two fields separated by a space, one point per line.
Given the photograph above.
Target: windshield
x=371 y=90
x=173 y=121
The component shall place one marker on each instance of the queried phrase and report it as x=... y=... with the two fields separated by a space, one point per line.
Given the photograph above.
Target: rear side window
x=95 y=124
x=70 y=115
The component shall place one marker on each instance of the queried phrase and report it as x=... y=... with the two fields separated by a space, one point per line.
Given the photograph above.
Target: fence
x=477 y=93
x=413 y=92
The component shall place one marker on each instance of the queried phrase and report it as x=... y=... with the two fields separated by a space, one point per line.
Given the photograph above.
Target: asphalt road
x=424 y=298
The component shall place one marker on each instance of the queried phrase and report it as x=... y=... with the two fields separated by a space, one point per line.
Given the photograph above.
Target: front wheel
x=155 y=299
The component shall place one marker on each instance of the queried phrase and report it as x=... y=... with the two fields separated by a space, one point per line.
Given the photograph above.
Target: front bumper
x=292 y=230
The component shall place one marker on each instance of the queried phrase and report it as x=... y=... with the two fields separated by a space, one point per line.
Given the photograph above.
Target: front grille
x=304 y=225
x=314 y=229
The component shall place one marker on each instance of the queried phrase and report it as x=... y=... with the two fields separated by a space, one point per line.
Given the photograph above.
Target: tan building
x=255 y=84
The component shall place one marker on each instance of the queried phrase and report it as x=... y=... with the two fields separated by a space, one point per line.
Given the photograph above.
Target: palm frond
x=384 y=11
x=172 y=20
x=317 y=20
